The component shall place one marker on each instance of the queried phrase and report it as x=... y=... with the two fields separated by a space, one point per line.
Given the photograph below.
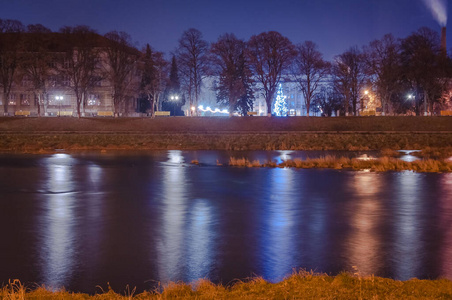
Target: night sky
x=333 y=25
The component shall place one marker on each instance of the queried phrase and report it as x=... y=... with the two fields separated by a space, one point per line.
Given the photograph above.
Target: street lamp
x=59 y=99
x=193 y=110
x=364 y=98
x=174 y=98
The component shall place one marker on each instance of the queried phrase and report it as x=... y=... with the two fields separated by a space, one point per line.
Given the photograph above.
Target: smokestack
x=443 y=40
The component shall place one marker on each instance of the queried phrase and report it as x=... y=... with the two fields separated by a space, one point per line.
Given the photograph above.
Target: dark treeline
x=408 y=75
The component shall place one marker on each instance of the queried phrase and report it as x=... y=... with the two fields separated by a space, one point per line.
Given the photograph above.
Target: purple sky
x=333 y=25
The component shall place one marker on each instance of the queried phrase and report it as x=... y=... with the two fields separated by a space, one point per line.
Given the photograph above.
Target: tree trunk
x=5 y=103
x=38 y=104
x=269 y=107
x=425 y=104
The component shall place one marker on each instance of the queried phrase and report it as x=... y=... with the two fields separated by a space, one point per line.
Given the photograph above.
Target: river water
x=87 y=219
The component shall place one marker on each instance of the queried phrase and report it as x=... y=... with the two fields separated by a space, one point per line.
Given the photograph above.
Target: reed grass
x=332 y=162
x=299 y=285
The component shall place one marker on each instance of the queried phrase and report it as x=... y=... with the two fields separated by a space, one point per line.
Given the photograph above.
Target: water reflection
x=170 y=243
x=279 y=224
x=407 y=254
x=407 y=155
x=364 y=244
x=83 y=220
x=199 y=240
x=446 y=225
x=58 y=241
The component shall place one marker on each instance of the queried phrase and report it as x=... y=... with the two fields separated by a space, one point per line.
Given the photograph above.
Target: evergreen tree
x=230 y=65
x=152 y=80
x=280 y=107
x=172 y=91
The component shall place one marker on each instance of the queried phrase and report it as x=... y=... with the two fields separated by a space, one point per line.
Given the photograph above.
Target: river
x=83 y=220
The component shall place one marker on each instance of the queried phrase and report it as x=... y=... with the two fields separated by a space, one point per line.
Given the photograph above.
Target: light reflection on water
x=408 y=248
x=366 y=215
x=446 y=225
x=85 y=219
x=278 y=226
x=58 y=244
x=174 y=210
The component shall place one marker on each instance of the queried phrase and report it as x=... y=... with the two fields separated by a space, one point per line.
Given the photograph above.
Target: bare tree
x=10 y=45
x=80 y=62
x=8 y=26
x=192 y=60
x=309 y=70
x=121 y=57
x=382 y=58
x=153 y=77
x=327 y=100
x=270 y=54
x=36 y=62
x=423 y=68
x=230 y=64
x=348 y=74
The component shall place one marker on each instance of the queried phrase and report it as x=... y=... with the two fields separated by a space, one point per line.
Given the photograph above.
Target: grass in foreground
x=300 y=285
x=332 y=162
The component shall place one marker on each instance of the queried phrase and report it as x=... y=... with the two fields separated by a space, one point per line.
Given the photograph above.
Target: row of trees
x=78 y=59
x=390 y=68
x=404 y=74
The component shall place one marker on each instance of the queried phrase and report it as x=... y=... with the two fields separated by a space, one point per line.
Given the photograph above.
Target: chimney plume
x=443 y=40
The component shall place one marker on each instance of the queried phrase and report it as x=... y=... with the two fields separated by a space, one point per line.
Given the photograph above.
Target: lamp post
x=174 y=98
x=413 y=97
x=59 y=99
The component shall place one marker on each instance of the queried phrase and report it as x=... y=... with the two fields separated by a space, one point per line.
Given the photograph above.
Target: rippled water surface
x=81 y=220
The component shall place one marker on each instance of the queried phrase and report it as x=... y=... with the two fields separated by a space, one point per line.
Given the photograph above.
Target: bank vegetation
x=249 y=133
x=365 y=163
x=300 y=285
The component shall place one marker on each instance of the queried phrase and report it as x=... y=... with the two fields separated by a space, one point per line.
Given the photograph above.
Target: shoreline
x=299 y=285
x=382 y=164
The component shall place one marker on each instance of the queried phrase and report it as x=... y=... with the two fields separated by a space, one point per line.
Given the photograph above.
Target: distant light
x=193 y=108
x=410 y=96
x=366 y=92
x=216 y=110
x=58 y=97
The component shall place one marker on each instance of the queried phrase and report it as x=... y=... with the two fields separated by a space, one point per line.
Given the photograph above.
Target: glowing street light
x=59 y=99
x=174 y=98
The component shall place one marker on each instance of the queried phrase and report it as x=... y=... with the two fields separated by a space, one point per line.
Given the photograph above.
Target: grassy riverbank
x=302 y=285
x=49 y=141
x=331 y=162
x=224 y=124
x=251 y=133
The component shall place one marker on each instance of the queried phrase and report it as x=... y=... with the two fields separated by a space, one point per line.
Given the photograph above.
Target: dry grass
x=332 y=162
x=300 y=285
x=46 y=142
x=221 y=124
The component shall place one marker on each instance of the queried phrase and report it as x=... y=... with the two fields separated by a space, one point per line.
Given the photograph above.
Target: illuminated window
x=93 y=100
x=24 y=99
x=12 y=99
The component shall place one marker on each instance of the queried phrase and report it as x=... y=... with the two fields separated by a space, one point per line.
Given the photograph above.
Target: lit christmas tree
x=280 y=107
